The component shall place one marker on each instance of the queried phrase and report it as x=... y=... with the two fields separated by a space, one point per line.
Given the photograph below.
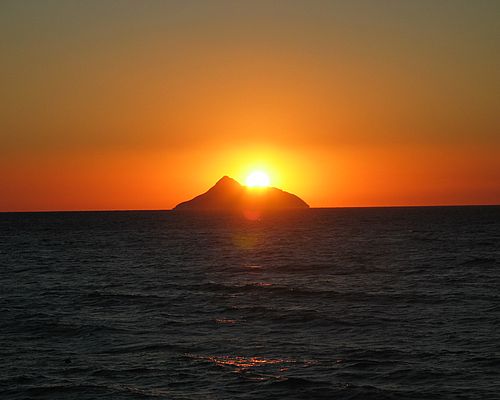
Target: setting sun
x=257 y=179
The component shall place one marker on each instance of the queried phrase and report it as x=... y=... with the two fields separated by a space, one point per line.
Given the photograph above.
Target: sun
x=257 y=179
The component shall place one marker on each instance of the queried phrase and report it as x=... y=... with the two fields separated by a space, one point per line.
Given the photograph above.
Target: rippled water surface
x=397 y=303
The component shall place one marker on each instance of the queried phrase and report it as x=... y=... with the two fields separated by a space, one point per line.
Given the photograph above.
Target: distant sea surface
x=380 y=303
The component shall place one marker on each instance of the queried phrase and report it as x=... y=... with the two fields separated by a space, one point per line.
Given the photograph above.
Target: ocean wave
x=141 y=348
x=89 y=389
x=51 y=328
x=480 y=262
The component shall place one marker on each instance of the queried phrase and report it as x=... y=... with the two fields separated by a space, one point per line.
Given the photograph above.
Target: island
x=227 y=195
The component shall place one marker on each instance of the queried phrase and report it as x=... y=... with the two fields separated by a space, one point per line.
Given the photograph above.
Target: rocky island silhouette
x=227 y=195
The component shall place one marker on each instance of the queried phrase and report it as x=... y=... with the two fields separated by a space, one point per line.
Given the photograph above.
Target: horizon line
x=310 y=208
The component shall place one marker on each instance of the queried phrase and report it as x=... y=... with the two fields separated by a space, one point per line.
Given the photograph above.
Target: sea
x=354 y=303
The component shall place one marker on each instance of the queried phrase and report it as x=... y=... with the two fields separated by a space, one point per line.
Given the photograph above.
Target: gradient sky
x=144 y=104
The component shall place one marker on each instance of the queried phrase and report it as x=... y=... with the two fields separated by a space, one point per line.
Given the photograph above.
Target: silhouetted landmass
x=227 y=195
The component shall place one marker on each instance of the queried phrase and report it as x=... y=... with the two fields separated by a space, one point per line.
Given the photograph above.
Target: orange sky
x=137 y=105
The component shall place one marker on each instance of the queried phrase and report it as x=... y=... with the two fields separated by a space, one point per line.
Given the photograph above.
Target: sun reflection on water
x=253 y=266
x=243 y=362
x=225 y=321
x=254 y=367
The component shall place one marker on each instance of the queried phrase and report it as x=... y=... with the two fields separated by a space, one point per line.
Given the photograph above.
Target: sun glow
x=258 y=179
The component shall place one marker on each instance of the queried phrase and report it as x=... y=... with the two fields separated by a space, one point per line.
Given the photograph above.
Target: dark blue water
x=397 y=303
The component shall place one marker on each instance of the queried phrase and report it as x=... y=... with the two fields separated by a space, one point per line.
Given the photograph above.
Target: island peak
x=227 y=195
x=226 y=180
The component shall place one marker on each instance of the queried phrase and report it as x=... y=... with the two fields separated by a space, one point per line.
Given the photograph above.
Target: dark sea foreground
x=394 y=303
